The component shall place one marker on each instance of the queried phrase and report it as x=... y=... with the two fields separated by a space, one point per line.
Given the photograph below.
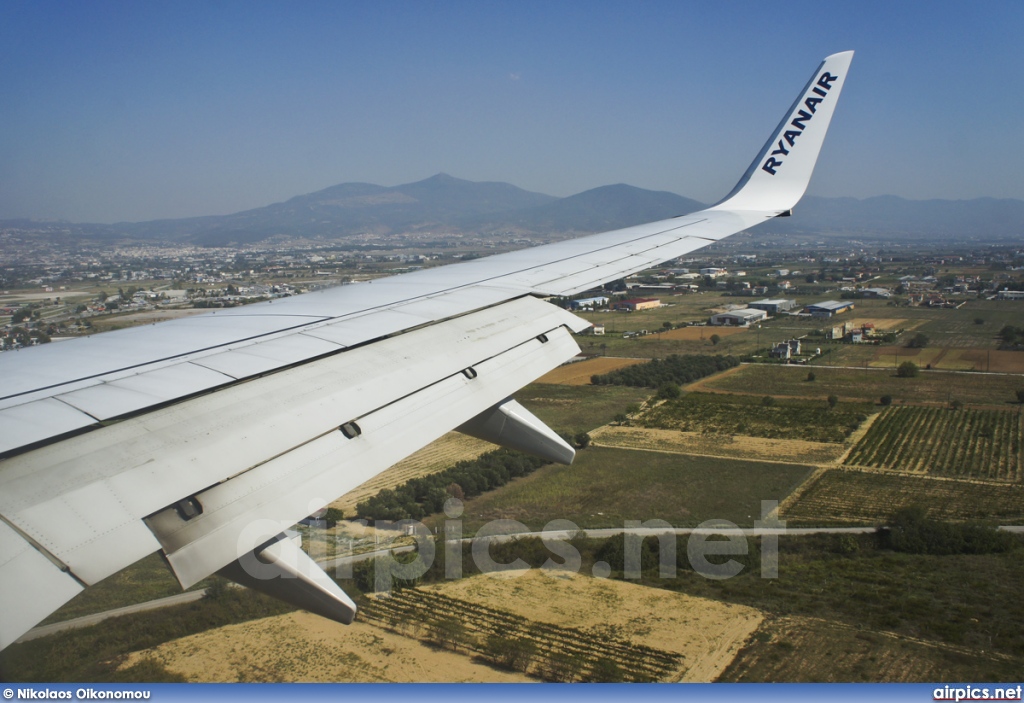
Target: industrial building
x=738 y=318
x=589 y=303
x=634 y=304
x=828 y=308
x=773 y=306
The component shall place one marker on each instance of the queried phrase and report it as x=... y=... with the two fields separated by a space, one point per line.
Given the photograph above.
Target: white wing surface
x=206 y=437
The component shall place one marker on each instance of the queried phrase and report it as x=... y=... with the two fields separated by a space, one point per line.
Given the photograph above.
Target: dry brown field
x=699 y=332
x=300 y=647
x=728 y=446
x=579 y=373
x=707 y=633
x=952 y=359
x=882 y=324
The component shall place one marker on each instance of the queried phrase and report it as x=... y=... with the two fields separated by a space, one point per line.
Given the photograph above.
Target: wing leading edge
x=205 y=438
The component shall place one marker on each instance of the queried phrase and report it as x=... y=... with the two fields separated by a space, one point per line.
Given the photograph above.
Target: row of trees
x=676 y=369
x=1012 y=336
x=419 y=497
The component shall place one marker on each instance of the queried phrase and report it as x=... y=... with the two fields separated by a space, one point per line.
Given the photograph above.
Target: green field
x=578 y=408
x=869 y=384
x=969 y=443
x=870 y=498
x=605 y=486
x=813 y=421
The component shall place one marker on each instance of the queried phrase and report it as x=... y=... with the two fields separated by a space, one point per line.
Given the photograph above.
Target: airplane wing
x=204 y=438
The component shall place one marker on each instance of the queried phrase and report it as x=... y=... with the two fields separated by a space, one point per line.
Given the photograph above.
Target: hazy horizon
x=119 y=111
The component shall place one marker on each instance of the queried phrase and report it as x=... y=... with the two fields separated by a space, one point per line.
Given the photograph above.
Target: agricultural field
x=865 y=385
x=720 y=445
x=578 y=373
x=605 y=487
x=300 y=647
x=983 y=444
x=790 y=648
x=840 y=496
x=812 y=421
x=553 y=652
x=703 y=633
x=949 y=359
x=576 y=409
x=436 y=456
x=702 y=333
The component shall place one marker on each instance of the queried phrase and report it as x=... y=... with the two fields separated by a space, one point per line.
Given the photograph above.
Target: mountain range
x=443 y=205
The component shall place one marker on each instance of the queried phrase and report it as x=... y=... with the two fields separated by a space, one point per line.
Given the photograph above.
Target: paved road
x=341 y=562
x=87 y=620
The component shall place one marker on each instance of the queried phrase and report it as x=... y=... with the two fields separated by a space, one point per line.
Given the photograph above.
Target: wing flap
x=31 y=586
x=248 y=510
x=83 y=499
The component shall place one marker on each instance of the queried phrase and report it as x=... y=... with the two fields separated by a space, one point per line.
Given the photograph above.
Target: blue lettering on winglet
x=805 y=113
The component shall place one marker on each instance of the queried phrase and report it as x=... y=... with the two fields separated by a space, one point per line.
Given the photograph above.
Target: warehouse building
x=829 y=308
x=738 y=318
x=773 y=306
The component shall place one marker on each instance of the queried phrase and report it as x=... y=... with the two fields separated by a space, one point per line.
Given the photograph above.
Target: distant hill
x=443 y=204
x=345 y=210
x=597 y=210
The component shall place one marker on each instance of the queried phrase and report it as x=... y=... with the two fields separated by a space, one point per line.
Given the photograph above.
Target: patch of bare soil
x=578 y=373
x=308 y=648
x=707 y=633
x=728 y=446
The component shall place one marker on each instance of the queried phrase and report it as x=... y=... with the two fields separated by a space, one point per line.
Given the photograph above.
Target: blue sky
x=117 y=111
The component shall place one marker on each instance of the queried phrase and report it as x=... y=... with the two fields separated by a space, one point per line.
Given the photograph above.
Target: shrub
x=833 y=400
x=913 y=532
x=919 y=341
x=768 y=401
x=908 y=369
x=885 y=400
x=811 y=376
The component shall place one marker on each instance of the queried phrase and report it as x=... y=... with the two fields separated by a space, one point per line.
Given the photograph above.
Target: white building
x=738 y=318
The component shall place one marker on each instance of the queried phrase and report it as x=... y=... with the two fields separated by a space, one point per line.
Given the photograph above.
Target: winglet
x=778 y=177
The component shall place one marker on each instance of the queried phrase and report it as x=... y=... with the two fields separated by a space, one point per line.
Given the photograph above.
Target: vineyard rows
x=554 y=652
x=983 y=444
x=866 y=497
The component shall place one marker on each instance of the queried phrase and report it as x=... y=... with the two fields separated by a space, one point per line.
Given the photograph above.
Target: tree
x=811 y=376
x=919 y=341
x=833 y=400
x=667 y=325
x=908 y=369
x=956 y=404
x=885 y=400
x=979 y=320
x=715 y=339
x=582 y=440
x=768 y=401
x=669 y=391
